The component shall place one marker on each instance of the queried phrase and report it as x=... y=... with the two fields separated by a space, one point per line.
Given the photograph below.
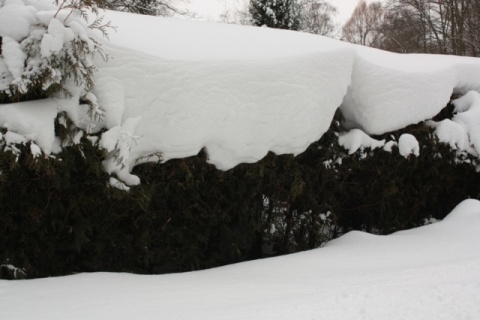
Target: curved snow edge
x=238 y=110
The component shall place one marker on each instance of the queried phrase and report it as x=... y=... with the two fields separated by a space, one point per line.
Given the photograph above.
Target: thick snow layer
x=428 y=273
x=238 y=110
x=390 y=91
x=243 y=91
x=198 y=41
x=238 y=91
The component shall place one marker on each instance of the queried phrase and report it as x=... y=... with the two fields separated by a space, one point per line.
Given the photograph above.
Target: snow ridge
x=257 y=94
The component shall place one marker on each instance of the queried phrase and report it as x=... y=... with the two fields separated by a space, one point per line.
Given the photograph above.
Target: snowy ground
x=432 y=272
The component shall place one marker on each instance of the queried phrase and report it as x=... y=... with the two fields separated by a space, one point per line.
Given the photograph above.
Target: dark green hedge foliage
x=59 y=216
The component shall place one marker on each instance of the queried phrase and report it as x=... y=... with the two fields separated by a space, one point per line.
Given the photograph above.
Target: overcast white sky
x=211 y=9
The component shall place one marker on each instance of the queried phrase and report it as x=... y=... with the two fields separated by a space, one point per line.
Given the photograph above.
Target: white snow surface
x=468 y=116
x=14 y=57
x=462 y=133
x=31 y=120
x=243 y=91
x=451 y=133
x=356 y=139
x=16 y=19
x=407 y=145
x=53 y=41
x=238 y=91
x=428 y=273
x=390 y=91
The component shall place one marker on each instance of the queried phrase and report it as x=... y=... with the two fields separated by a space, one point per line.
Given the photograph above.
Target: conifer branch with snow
x=53 y=55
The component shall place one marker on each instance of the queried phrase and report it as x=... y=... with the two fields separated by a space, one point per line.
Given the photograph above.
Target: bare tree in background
x=402 y=32
x=364 y=26
x=426 y=26
x=238 y=13
x=316 y=16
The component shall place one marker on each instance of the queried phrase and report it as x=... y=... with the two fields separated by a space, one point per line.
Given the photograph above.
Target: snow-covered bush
x=48 y=53
x=397 y=187
x=379 y=184
x=187 y=215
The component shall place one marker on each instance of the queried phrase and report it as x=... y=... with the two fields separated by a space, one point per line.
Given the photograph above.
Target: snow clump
x=117 y=142
x=407 y=145
x=468 y=108
x=462 y=132
x=356 y=139
x=16 y=19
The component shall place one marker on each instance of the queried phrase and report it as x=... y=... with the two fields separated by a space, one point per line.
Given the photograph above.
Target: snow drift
x=390 y=91
x=270 y=90
x=429 y=272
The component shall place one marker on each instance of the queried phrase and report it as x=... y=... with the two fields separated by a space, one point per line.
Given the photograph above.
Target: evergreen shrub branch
x=49 y=76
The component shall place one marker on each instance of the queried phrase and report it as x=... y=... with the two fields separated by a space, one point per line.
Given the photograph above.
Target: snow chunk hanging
x=118 y=142
x=356 y=139
x=407 y=145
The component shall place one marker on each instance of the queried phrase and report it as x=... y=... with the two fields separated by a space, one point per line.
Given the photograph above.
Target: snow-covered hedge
x=59 y=216
x=249 y=93
x=172 y=97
